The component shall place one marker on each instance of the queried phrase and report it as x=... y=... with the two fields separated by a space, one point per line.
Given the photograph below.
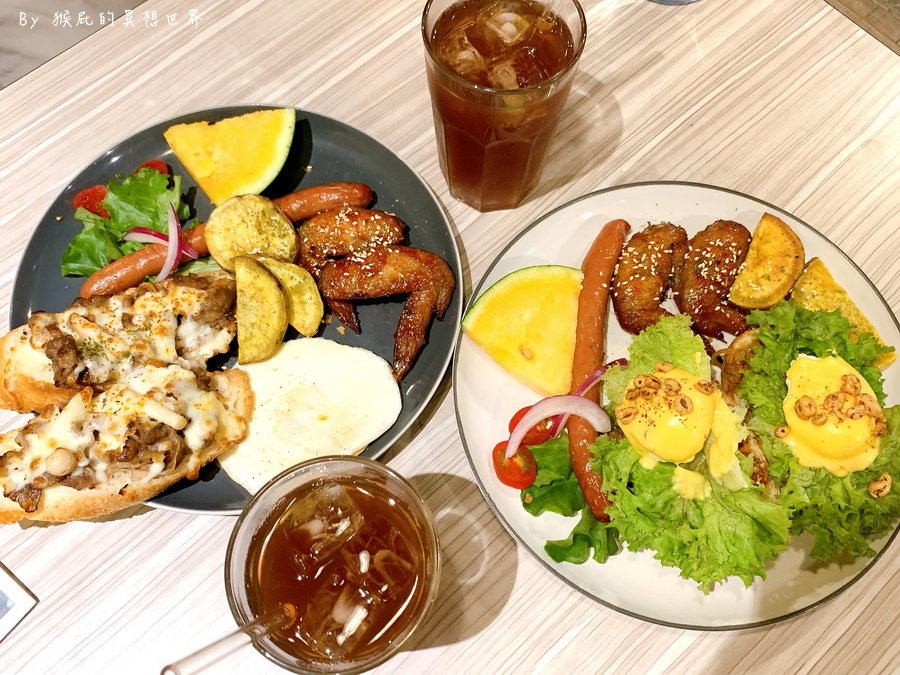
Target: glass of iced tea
x=499 y=72
x=351 y=545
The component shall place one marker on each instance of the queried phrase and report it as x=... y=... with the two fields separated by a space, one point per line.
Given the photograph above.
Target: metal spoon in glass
x=204 y=657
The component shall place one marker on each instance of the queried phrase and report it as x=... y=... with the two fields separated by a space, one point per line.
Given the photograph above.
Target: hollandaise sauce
x=833 y=417
x=670 y=415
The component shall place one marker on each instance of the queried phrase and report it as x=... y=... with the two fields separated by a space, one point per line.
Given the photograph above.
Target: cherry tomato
x=157 y=164
x=537 y=434
x=518 y=471
x=92 y=199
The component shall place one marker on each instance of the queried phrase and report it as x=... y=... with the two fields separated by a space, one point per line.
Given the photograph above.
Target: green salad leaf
x=555 y=487
x=728 y=533
x=591 y=538
x=669 y=340
x=837 y=511
x=138 y=200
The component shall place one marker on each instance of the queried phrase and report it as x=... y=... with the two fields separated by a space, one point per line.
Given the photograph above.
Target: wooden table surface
x=786 y=101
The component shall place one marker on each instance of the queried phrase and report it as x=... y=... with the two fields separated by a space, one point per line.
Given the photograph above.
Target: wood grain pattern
x=787 y=101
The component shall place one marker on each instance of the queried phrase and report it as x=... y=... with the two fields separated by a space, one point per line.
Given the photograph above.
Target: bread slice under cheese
x=183 y=320
x=153 y=427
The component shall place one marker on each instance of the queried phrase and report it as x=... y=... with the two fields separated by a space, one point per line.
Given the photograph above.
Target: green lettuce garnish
x=732 y=532
x=837 y=511
x=555 y=487
x=728 y=533
x=138 y=200
x=669 y=340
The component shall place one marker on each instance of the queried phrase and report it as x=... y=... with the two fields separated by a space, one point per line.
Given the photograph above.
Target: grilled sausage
x=131 y=269
x=598 y=268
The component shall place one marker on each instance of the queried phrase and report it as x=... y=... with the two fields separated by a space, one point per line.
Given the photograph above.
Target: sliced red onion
x=567 y=404
x=173 y=246
x=584 y=388
x=144 y=235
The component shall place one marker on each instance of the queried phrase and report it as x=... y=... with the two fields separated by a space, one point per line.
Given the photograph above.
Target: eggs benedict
x=833 y=417
x=670 y=415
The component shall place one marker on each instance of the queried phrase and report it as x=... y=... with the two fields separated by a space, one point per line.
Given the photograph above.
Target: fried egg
x=833 y=417
x=670 y=415
x=314 y=397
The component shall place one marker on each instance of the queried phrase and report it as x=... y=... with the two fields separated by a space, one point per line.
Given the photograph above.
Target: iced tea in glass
x=350 y=545
x=499 y=72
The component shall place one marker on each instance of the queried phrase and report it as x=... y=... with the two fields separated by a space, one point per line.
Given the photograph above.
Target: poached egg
x=670 y=415
x=833 y=417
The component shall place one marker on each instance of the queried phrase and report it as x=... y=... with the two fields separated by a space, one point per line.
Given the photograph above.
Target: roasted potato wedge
x=261 y=312
x=249 y=224
x=304 y=304
x=773 y=263
x=817 y=289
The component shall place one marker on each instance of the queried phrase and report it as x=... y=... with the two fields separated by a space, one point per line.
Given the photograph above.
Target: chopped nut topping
x=857 y=412
x=647 y=382
x=626 y=415
x=870 y=403
x=850 y=384
x=671 y=387
x=834 y=402
x=819 y=419
x=683 y=405
x=631 y=394
x=880 y=428
x=805 y=407
x=663 y=367
x=705 y=387
x=880 y=486
x=781 y=432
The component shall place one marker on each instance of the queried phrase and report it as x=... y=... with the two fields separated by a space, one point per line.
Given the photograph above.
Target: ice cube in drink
x=458 y=52
x=511 y=21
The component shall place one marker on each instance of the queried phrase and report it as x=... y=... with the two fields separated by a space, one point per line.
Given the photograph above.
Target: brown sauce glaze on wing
x=340 y=232
x=705 y=269
x=642 y=276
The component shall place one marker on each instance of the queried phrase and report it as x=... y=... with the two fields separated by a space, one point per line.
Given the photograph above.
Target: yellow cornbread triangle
x=816 y=289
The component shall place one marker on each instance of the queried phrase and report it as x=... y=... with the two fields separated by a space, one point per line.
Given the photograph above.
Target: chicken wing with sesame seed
x=705 y=269
x=340 y=232
x=380 y=271
x=642 y=276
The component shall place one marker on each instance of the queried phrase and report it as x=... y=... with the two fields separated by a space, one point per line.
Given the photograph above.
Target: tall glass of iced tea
x=499 y=72
x=351 y=546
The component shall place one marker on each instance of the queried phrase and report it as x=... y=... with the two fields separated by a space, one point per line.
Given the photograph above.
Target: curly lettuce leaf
x=786 y=331
x=729 y=533
x=837 y=511
x=669 y=340
x=591 y=538
x=555 y=487
x=138 y=200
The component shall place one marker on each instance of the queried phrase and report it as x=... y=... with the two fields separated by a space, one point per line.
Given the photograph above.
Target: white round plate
x=486 y=397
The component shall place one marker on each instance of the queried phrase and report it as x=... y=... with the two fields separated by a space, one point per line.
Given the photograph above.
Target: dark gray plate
x=324 y=151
